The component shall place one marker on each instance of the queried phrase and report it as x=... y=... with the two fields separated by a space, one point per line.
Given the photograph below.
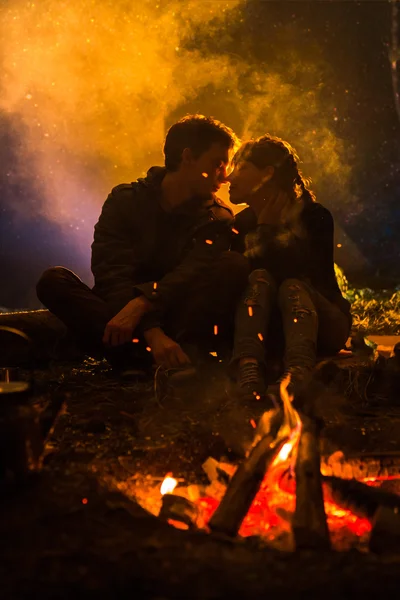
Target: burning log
x=363 y=500
x=177 y=509
x=380 y=507
x=379 y=465
x=309 y=521
x=246 y=482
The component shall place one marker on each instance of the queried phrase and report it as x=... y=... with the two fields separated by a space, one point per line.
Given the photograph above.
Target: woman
x=293 y=281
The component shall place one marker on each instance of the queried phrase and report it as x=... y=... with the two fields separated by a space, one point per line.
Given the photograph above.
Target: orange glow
x=208 y=241
x=178 y=524
x=168 y=485
x=261 y=337
x=84 y=500
x=205 y=175
x=148 y=349
x=215 y=329
x=253 y=423
x=250 y=309
x=155 y=285
x=135 y=340
x=235 y=231
x=285 y=451
x=264 y=518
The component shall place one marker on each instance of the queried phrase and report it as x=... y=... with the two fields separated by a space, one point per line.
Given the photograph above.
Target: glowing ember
x=205 y=175
x=235 y=231
x=250 y=309
x=260 y=337
x=135 y=340
x=208 y=241
x=168 y=485
x=215 y=329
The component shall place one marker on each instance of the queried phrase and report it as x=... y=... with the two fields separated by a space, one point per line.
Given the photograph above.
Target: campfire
x=283 y=494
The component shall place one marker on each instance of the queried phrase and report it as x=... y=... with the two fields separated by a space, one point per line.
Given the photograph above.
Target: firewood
x=363 y=500
x=244 y=486
x=310 y=527
x=375 y=464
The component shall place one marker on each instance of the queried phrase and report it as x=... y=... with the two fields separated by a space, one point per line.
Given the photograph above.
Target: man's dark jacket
x=139 y=248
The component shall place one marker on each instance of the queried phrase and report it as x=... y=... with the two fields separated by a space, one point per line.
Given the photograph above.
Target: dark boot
x=250 y=383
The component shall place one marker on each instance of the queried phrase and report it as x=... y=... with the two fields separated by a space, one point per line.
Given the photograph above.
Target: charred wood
x=310 y=527
x=245 y=483
x=363 y=500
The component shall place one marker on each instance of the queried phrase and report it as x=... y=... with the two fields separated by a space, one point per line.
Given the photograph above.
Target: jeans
x=306 y=322
x=206 y=310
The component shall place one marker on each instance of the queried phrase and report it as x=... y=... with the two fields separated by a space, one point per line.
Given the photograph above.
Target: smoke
x=90 y=87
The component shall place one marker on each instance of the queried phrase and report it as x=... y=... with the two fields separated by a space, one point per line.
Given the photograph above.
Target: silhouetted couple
x=176 y=272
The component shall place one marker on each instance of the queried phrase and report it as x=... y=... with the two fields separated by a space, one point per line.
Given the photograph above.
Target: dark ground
x=57 y=545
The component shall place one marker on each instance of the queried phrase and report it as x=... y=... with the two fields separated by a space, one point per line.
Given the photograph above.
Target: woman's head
x=264 y=167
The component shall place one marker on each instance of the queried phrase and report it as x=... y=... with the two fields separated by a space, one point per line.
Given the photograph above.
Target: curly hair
x=198 y=133
x=269 y=150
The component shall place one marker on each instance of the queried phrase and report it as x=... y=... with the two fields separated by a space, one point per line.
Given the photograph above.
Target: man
x=159 y=256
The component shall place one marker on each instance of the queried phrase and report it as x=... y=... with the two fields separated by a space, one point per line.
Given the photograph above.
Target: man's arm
x=114 y=265
x=211 y=240
x=114 y=261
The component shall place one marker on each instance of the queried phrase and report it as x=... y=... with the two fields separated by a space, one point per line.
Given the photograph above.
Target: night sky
x=338 y=51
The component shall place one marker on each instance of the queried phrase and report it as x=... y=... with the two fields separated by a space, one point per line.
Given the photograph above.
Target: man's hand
x=121 y=327
x=166 y=352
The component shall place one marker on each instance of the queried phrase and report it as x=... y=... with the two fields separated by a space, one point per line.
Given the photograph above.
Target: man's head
x=199 y=149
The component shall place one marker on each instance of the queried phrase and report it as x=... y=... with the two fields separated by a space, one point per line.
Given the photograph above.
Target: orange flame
x=168 y=485
x=291 y=426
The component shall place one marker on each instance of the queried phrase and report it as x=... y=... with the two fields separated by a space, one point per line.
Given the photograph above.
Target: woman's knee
x=298 y=295
x=292 y=287
x=262 y=276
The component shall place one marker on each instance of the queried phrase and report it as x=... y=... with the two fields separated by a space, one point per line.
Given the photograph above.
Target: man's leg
x=206 y=313
x=74 y=303
x=251 y=330
x=85 y=314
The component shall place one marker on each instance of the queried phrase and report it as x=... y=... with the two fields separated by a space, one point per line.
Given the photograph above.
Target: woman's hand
x=275 y=210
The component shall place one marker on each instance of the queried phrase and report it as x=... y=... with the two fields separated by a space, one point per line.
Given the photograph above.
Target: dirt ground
x=75 y=531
